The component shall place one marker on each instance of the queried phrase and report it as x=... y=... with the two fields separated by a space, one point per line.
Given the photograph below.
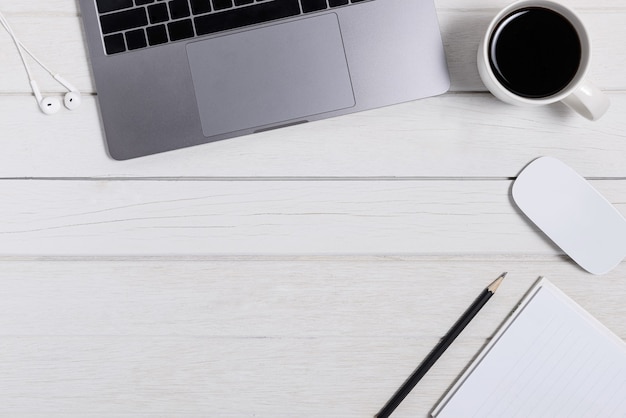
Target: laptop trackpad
x=271 y=75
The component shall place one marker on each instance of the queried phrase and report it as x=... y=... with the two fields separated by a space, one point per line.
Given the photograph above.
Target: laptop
x=176 y=73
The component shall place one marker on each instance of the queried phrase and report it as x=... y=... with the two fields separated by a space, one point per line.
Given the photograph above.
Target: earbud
x=48 y=105
x=72 y=99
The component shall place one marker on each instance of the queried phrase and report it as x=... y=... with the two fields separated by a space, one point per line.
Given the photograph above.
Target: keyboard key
x=128 y=19
x=335 y=3
x=236 y=18
x=142 y=2
x=313 y=5
x=200 y=6
x=105 y=6
x=179 y=9
x=243 y=2
x=114 y=44
x=158 y=13
x=181 y=29
x=156 y=35
x=136 y=39
x=222 y=4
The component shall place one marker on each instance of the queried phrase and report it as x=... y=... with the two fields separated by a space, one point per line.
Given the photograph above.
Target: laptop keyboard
x=134 y=24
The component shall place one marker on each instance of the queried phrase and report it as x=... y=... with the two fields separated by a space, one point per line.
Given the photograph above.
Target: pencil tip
x=494 y=286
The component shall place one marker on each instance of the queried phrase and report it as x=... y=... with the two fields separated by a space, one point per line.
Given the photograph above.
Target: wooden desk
x=296 y=273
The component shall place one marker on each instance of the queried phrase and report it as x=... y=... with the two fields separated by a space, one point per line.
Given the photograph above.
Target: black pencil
x=439 y=349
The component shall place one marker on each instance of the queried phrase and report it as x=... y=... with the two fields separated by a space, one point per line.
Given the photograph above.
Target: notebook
x=176 y=73
x=550 y=358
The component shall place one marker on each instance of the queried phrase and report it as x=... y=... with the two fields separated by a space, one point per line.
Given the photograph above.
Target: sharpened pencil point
x=493 y=286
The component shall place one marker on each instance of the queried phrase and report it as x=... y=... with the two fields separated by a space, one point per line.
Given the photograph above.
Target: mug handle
x=588 y=101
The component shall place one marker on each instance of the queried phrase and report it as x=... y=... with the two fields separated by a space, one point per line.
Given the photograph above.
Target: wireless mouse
x=572 y=213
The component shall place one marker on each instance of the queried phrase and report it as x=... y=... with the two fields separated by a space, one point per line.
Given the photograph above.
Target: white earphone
x=72 y=98
x=48 y=105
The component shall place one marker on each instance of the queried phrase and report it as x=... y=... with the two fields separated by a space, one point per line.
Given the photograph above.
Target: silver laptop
x=176 y=73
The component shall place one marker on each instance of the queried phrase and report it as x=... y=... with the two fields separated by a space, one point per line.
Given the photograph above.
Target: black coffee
x=534 y=52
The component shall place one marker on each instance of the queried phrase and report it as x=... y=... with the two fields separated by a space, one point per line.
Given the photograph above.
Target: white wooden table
x=296 y=273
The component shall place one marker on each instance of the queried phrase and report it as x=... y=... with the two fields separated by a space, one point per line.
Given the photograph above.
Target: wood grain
x=269 y=217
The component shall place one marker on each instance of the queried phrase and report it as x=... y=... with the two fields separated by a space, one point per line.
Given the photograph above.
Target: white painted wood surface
x=294 y=273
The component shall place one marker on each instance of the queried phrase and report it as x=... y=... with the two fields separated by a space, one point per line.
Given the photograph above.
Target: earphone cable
x=25 y=48
x=17 y=43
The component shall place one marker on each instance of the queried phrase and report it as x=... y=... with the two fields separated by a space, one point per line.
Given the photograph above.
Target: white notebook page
x=549 y=359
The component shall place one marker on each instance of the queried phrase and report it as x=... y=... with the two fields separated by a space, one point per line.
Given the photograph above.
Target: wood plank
x=253 y=336
x=185 y=376
x=268 y=217
x=177 y=376
x=315 y=297
x=449 y=136
x=62 y=48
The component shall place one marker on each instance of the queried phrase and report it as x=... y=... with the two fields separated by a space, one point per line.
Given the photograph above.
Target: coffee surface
x=535 y=52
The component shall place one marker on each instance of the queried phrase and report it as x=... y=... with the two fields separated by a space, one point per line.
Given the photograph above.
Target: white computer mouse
x=572 y=213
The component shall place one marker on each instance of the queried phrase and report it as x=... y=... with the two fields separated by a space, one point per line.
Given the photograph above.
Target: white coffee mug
x=579 y=94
